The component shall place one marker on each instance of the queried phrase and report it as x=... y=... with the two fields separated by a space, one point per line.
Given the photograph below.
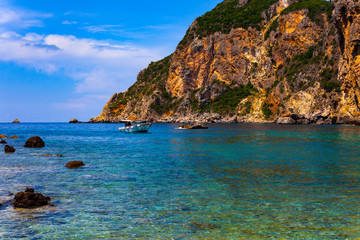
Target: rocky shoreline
x=319 y=118
x=322 y=117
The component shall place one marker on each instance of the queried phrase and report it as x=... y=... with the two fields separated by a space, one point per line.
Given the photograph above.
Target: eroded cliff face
x=228 y=58
x=347 y=18
x=297 y=59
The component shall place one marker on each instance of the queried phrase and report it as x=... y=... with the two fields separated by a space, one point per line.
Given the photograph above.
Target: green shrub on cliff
x=266 y=110
x=152 y=78
x=156 y=70
x=316 y=9
x=328 y=83
x=274 y=25
x=228 y=101
x=228 y=15
x=309 y=59
x=167 y=107
x=119 y=101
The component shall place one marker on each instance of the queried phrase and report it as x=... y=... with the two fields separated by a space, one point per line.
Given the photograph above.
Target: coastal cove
x=231 y=181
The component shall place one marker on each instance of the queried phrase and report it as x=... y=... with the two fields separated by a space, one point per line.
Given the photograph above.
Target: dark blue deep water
x=240 y=181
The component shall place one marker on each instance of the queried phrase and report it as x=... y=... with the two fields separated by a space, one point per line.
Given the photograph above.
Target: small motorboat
x=132 y=127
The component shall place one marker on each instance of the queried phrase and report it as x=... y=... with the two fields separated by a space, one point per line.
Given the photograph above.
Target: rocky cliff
x=255 y=61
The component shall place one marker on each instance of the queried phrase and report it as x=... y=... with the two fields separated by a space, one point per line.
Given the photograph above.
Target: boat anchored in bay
x=135 y=126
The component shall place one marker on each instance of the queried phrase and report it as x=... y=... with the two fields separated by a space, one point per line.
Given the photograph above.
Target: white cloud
x=9 y=34
x=33 y=37
x=7 y=15
x=66 y=22
x=82 y=103
x=113 y=29
x=16 y=18
x=94 y=81
x=79 y=14
x=95 y=65
x=98 y=68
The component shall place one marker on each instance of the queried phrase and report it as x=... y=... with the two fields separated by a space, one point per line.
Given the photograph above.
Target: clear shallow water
x=238 y=181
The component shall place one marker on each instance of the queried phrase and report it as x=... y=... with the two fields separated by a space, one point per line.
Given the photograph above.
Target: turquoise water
x=233 y=181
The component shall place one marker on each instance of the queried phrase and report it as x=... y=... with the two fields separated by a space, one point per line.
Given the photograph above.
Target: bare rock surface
x=30 y=199
x=285 y=120
x=74 y=120
x=34 y=142
x=74 y=164
x=194 y=126
x=52 y=155
x=9 y=149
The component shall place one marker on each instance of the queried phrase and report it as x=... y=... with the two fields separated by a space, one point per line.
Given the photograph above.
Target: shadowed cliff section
x=254 y=61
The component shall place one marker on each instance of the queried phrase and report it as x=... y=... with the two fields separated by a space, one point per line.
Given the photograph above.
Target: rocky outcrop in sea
x=34 y=142
x=9 y=149
x=74 y=120
x=30 y=199
x=74 y=164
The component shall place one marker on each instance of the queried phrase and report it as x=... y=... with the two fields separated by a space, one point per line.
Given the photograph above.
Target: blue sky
x=65 y=59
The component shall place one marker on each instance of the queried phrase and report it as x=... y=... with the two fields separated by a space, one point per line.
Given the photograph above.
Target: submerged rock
x=34 y=142
x=30 y=199
x=51 y=155
x=14 y=137
x=74 y=164
x=194 y=126
x=16 y=121
x=203 y=226
x=3 y=142
x=9 y=149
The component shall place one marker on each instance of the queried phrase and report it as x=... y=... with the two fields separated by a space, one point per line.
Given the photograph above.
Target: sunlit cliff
x=255 y=61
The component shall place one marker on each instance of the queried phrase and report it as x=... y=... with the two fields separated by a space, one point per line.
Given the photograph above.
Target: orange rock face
x=347 y=18
x=294 y=62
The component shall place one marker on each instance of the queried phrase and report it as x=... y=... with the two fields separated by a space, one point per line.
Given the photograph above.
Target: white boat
x=135 y=127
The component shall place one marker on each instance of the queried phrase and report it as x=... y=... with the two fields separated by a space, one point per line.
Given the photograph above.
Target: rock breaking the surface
x=9 y=149
x=34 y=142
x=30 y=199
x=74 y=120
x=194 y=126
x=74 y=164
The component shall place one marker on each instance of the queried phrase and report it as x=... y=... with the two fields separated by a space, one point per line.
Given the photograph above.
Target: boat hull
x=144 y=127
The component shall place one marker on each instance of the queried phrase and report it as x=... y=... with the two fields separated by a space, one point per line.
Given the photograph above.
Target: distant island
x=255 y=61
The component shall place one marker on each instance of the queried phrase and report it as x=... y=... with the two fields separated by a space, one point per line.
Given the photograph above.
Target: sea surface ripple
x=232 y=181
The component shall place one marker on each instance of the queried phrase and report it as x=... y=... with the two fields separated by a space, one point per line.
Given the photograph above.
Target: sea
x=231 y=181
